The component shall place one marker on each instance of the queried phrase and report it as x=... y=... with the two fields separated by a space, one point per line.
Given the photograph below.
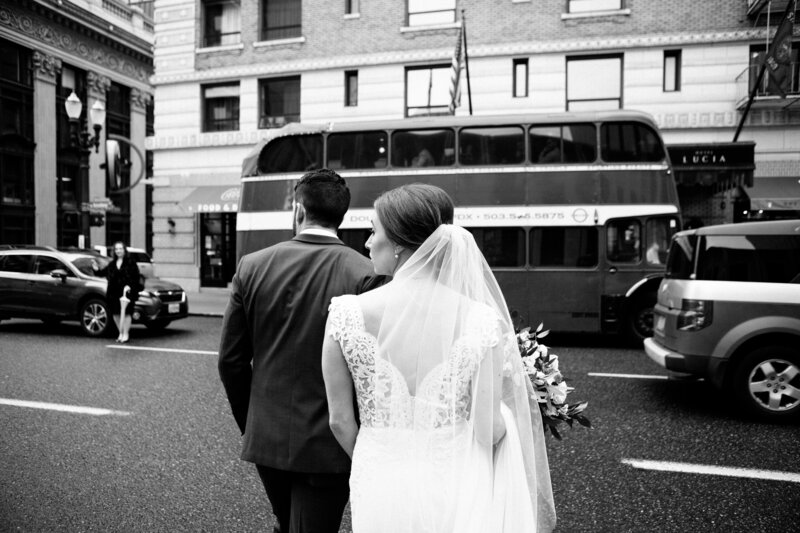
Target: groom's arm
x=236 y=354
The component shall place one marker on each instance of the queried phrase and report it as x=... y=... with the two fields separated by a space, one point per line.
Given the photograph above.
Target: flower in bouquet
x=550 y=389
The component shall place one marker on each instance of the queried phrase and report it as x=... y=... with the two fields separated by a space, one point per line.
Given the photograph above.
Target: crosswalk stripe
x=630 y=376
x=730 y=471
x=157 y=349
x=96 y=411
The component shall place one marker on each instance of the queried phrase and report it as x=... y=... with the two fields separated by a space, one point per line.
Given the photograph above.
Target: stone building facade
x=102 y=51
x=227 y=72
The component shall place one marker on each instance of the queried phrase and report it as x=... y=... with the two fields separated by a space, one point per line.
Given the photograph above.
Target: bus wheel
x=767 y=383
x=640 y=317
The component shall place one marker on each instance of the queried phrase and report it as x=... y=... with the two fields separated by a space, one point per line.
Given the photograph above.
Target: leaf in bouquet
x=578 y=408
x=568 y=421
x=540 y=327
x=582 y=420
x=543 y=334
x=555 y=432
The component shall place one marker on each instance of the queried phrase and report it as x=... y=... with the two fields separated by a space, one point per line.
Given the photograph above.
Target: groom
x=270 y=353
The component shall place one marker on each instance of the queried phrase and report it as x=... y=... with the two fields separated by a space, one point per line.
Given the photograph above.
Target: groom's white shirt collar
x=319 y=231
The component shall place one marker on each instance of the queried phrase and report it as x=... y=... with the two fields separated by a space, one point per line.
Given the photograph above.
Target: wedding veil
x=445 y=327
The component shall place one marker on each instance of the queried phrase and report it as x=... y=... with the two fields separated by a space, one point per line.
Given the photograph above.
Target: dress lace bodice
x=444 y=396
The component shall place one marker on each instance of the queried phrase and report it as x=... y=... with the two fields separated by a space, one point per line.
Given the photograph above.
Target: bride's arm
x=339 y=388
x=490 y=427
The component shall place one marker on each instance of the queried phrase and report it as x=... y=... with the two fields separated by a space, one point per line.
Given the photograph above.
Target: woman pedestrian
x=123 y=280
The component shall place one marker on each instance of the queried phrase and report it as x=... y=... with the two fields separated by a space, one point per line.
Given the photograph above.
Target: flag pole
x=466 y=59
x=752 y=97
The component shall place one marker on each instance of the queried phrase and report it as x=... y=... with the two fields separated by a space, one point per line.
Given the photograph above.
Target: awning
x=775 y=194
x=212 y=200
x=723 y=166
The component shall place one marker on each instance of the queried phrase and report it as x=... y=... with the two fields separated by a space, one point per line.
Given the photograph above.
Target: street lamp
x=83 y=141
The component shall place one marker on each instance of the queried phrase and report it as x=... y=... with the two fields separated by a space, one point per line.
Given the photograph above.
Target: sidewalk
x=209 y=301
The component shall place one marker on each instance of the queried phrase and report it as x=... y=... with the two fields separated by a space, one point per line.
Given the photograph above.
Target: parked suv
x=54 y=286
x=729 y=309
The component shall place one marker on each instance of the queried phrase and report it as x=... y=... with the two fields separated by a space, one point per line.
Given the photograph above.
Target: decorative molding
x=140 y=99
x=97 y=85
x=625 y=42
x=596 y=14
x=45 y=66
x=45 y=33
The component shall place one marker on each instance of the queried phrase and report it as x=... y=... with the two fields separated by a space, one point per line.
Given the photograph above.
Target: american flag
x=455 y=71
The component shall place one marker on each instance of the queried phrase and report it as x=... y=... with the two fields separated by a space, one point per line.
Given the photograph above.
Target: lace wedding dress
x=419 y=463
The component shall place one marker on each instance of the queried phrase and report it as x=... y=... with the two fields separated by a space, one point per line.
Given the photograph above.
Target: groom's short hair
x=325 y=197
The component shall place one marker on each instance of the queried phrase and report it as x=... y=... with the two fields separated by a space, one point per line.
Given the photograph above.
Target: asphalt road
x=166 y=458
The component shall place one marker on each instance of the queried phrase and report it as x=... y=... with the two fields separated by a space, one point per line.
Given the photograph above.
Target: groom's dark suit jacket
x=276 y=320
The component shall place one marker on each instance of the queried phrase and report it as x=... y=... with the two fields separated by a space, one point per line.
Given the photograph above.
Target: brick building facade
x=227 y=72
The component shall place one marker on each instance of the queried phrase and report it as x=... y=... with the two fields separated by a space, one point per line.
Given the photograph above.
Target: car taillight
x=695 y=315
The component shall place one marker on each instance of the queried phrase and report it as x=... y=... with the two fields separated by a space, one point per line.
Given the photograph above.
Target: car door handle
x=612 y=270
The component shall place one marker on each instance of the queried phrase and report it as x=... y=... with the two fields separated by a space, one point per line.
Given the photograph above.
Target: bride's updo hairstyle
x=411 y=213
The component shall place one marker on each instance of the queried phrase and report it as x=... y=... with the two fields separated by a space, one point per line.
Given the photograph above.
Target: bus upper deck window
x=296 y=153
x=423 y=148
x=630 y=142
x=491 y=146
x=568 y=143
x=357 y=150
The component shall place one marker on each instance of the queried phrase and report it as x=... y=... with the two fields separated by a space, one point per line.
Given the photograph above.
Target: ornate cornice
x=72 y=43
x=97 y=85
x=139 y=99
x=627 y=42
x=45 y=66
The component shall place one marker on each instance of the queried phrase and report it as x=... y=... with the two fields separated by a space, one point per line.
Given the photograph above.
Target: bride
x=447 y=437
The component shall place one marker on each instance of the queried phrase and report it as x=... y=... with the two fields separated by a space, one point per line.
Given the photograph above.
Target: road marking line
x=61 y=407
x=633 y=376
x=730 y=471
x=150 y=349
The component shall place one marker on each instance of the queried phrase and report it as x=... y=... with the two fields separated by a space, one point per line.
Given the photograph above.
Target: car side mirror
x=59 y=273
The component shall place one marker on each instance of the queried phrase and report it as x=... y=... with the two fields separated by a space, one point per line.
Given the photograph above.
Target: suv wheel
x=94 y=318
x=767 y=383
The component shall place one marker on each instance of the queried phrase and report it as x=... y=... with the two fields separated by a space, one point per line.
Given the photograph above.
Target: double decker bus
x=573 y=211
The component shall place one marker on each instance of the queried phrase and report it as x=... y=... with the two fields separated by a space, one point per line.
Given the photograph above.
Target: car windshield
x=680 y=262
x=84 y=263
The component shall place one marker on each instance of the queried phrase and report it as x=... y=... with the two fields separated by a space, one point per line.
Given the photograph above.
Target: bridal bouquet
x=549 y=386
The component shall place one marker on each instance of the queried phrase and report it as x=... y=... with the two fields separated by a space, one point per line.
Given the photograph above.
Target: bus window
x=623 y=243
x=357 y=150
x=659 y=232
x=296 y=153
x=491 y=146
x=564 y=247
x=570 y=143
x=629 y=142
x=356 y=239
x=502 y=247
x=423 y=148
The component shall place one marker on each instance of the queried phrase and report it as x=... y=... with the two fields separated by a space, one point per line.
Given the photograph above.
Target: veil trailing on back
x=449 y=424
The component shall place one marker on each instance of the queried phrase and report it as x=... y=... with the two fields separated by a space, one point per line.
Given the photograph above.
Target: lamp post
x=83 y=141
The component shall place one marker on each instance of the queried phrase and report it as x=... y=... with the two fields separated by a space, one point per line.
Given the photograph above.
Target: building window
x=351 y=88
x=221 y=107
x=427 y=12
x=278 y=101
x=427 y=90
x=281 y=19
x=594 y=82
x=585 y=6
x=789 y=71
x=351 y=7
x=221 y=24
x=520 y=78
x=17 y=205
x=672 y=71
x=118 y=122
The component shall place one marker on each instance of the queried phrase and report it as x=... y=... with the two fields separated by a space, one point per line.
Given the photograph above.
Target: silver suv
x=728 y=309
